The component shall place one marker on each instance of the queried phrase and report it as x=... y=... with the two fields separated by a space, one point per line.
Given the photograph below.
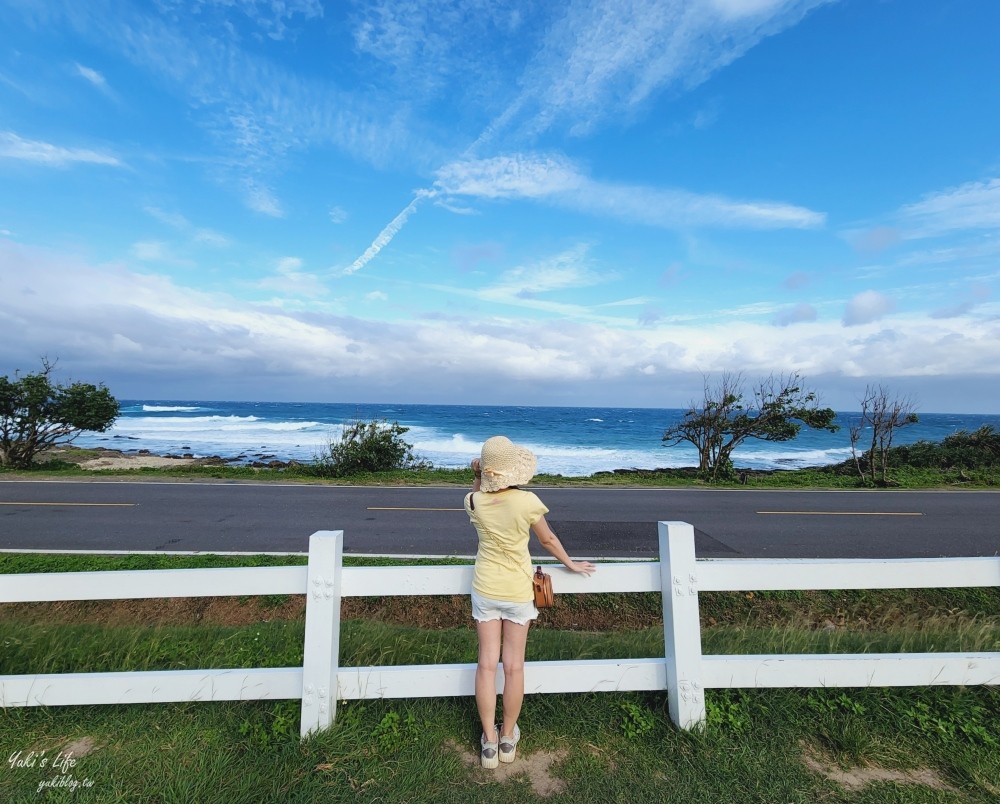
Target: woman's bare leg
x=486 y=675
x=515 y=639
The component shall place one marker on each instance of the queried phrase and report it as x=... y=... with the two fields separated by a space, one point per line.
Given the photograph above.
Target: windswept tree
x=882 y=414
x=775 y=410
x=36 y=413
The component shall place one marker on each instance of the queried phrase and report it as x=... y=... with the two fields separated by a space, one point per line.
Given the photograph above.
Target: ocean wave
x=567 y=441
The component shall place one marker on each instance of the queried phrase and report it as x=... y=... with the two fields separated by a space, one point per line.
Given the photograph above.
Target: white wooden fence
x=683 y=672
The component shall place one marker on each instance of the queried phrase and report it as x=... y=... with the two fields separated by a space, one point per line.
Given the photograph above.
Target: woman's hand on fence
x=582 y=567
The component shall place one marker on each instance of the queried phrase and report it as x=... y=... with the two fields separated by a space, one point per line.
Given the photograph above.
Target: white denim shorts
x=485 y=609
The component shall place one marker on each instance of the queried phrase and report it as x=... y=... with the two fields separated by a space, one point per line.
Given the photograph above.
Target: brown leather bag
x=542 y=584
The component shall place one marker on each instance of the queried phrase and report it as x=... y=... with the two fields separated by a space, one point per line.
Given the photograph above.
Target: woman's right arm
x=553 y=546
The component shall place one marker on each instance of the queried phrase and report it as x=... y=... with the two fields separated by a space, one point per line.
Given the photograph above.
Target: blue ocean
x=567 y=440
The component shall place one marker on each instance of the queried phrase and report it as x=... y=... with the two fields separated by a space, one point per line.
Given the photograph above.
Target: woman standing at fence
x=502 y=597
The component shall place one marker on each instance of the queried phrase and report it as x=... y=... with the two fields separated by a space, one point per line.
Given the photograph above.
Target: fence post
x=681 y=624
x=321 y=655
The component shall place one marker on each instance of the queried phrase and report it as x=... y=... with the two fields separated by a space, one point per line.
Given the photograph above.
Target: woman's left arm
x=551 y=543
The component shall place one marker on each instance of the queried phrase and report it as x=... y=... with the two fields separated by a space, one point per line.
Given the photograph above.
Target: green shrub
x=367 y=445
x=961 y=450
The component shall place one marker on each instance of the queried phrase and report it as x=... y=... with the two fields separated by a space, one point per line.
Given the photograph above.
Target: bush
x=960 y=450
x=372 y=445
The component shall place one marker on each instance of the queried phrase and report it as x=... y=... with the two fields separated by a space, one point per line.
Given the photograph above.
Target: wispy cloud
x=257 y=110
x=15 y=147
x=260 y=199
x=159 y=252
x=970 y=206
x=546 y=286
x=277 y=19
x=290 y=280
x=604 y=58
x=598 y=58
x=198 y=234
x=95 y=78
x=563 y=271
x=557 y=180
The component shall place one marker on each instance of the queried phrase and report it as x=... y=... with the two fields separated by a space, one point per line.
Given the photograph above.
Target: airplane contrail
x=384 y=237
x=397 y=223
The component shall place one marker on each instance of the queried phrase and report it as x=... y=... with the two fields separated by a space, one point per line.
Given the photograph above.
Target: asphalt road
x=220 y=516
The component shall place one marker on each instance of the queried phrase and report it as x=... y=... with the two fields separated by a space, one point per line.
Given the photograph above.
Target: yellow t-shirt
x=503 y=520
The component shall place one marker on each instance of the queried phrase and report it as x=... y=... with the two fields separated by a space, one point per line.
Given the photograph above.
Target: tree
x=367 y=446
x=884 y=414
x=724 y=418
x=36 y=413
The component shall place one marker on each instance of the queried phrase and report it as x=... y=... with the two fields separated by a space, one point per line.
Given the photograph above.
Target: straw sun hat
x=505 y=464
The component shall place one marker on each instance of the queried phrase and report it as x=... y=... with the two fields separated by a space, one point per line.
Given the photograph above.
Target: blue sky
x=502 y=203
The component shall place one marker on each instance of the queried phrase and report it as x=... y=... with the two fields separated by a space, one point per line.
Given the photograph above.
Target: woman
x=502 y=597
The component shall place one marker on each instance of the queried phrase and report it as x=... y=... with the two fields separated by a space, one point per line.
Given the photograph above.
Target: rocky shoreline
x=142 y=459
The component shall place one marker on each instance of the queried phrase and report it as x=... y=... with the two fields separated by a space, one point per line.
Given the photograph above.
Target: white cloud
x=795 y=315
x=271 y=16
x=257 y=110
x=43 y=153
x=150 y=250
x=866 y=307
x=954 y=310
x=156 y=251
x=261 y=199
x=558 y=181
x=210 y=238
x=735 y=9
x=974 y=205
x=604 y=59
x=338 y=215
x=113 y=321
x=92 y=76
x=177 y=221
x=291 y=281
x=96 y=79
x=511 y=176
x=289 y=265
x=376 y=296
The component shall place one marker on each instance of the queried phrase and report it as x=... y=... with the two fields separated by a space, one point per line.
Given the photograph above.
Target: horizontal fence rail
x=683 y=672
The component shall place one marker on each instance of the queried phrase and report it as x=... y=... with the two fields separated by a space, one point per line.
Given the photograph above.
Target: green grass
x=758 y=745
x=831 y=477
x=92 y=648
x=603 y=747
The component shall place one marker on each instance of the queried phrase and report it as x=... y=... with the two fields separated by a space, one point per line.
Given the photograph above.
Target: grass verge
x=66 y=465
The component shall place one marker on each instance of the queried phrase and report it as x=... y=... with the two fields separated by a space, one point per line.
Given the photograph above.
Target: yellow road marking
x=376 y=508
x=845 y=513
x=78 y=504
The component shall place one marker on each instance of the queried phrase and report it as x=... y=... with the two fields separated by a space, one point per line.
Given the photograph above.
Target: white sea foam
x=170 y=409
x=218 y=435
